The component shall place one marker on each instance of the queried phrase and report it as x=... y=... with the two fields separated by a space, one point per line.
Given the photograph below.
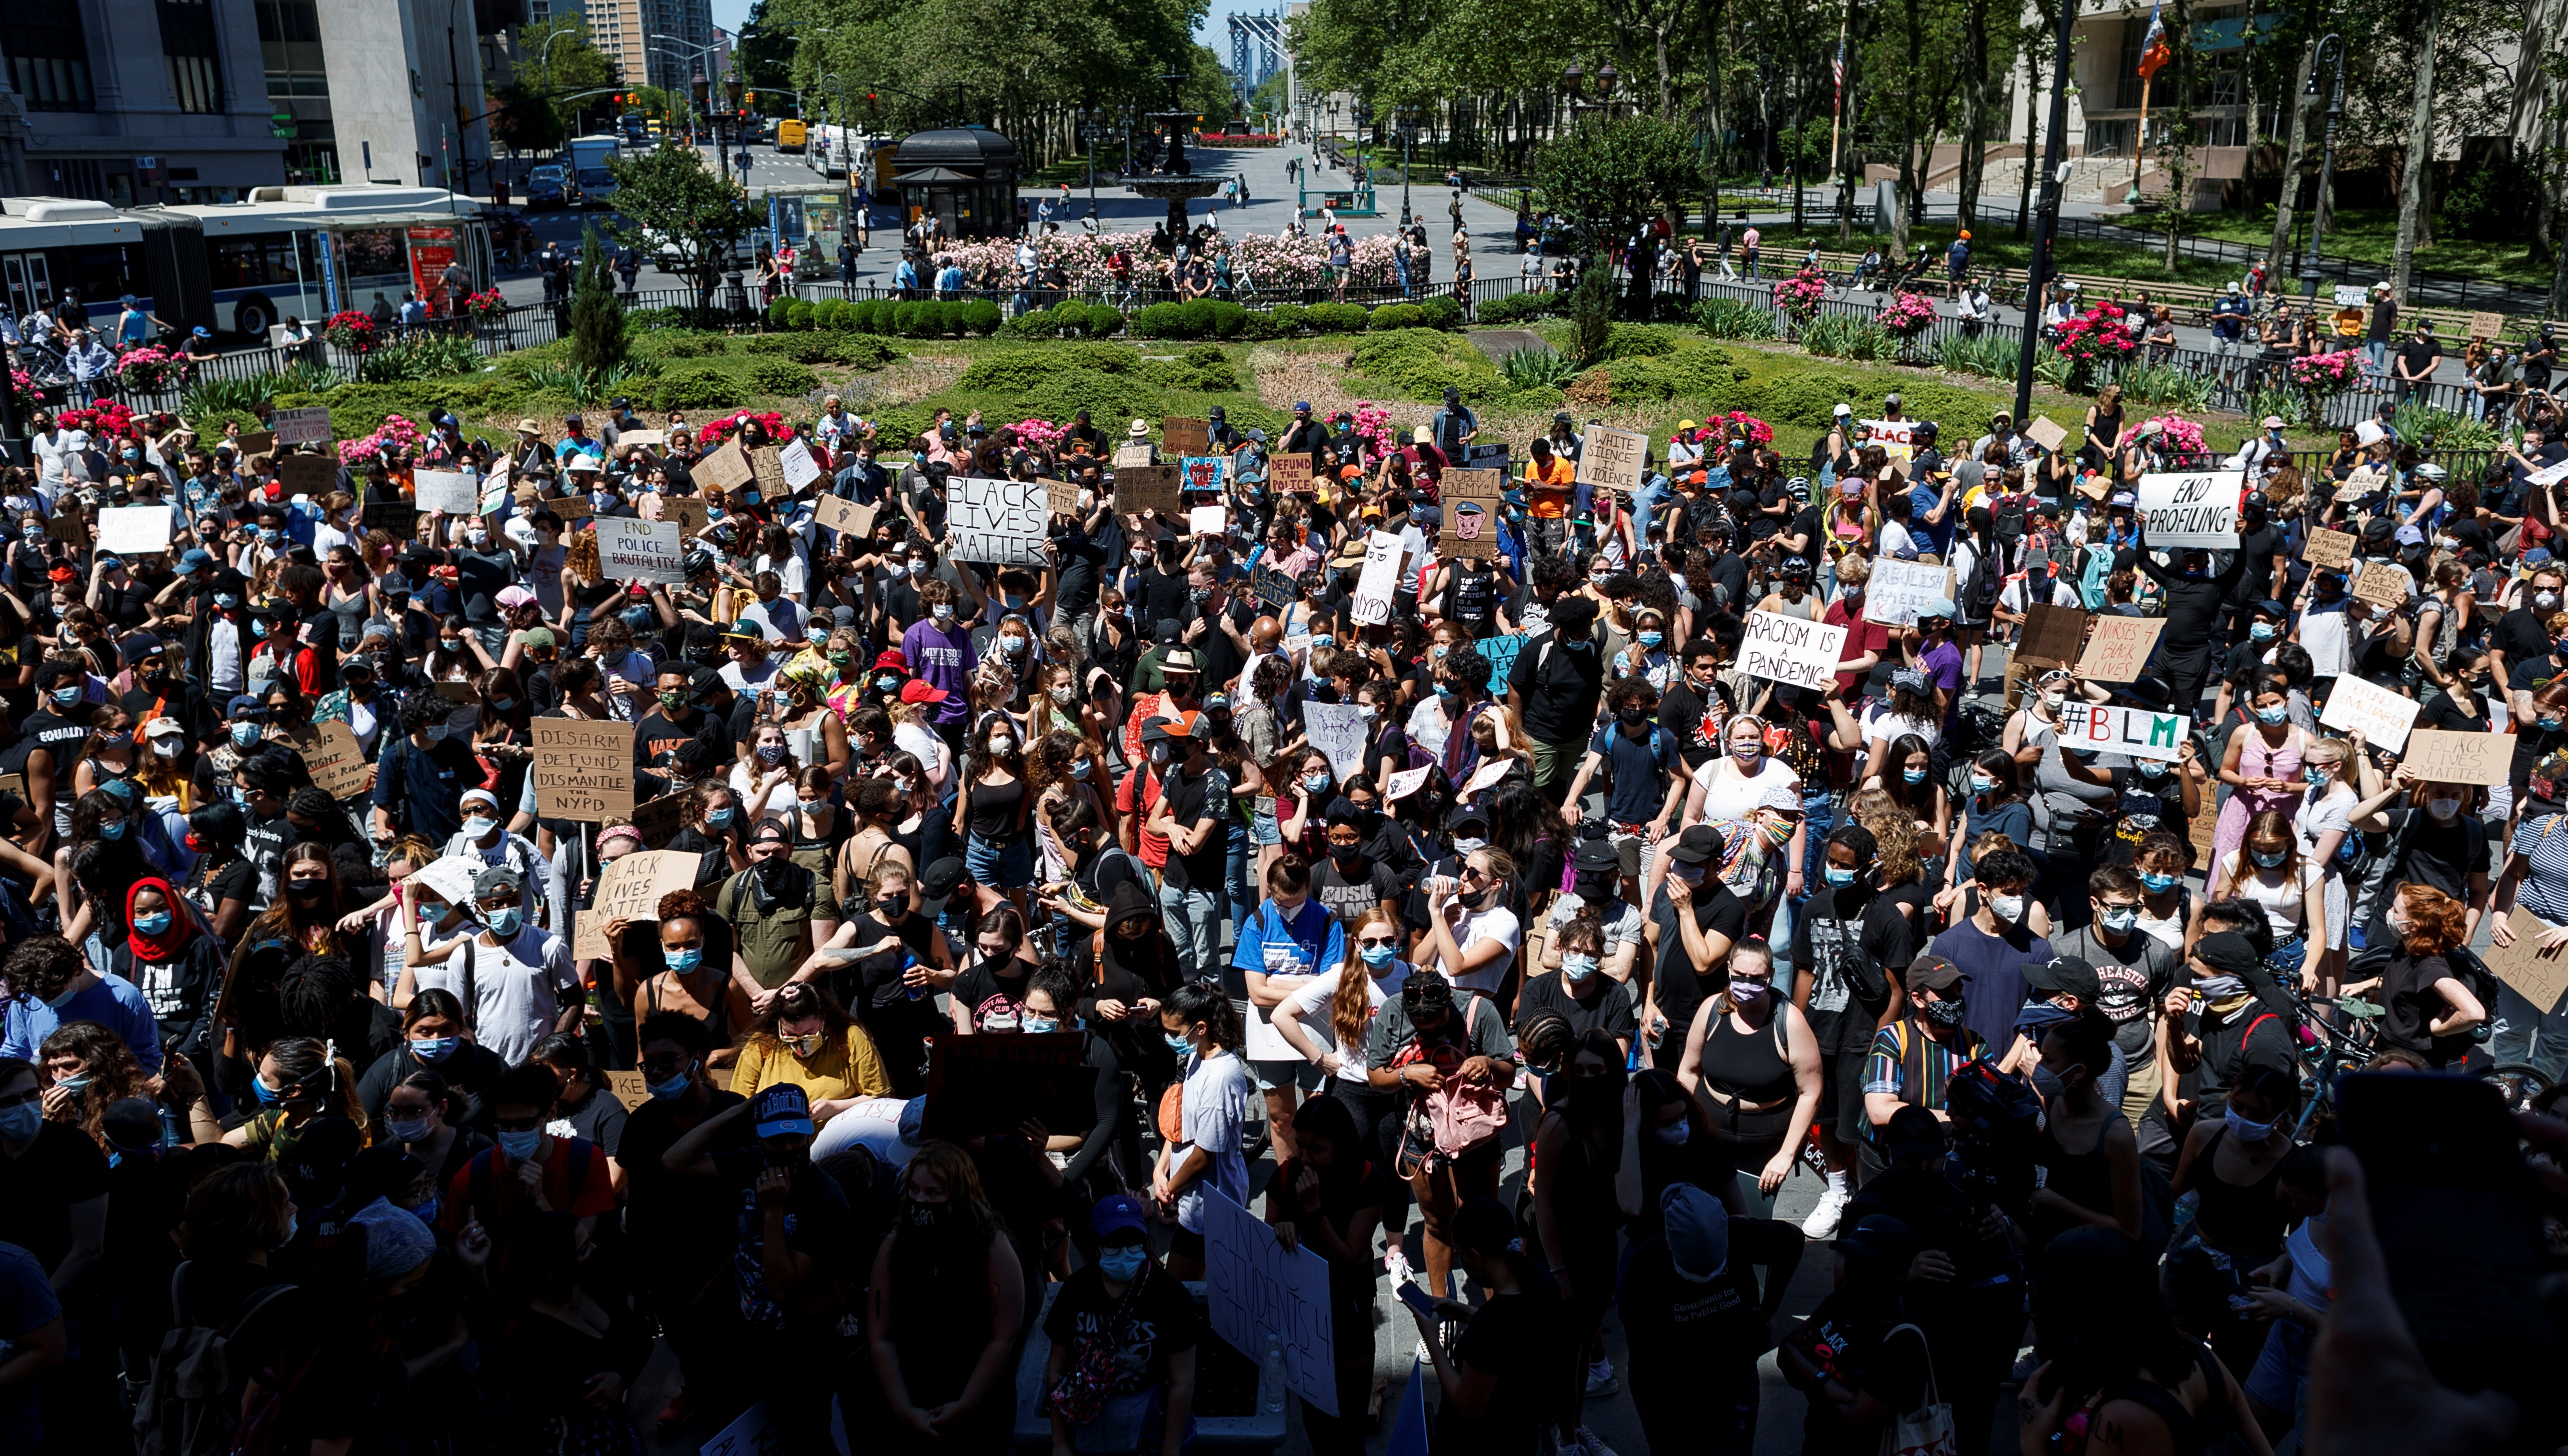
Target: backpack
x=2008 y=517
x=1987 y=580
x=192 y=1404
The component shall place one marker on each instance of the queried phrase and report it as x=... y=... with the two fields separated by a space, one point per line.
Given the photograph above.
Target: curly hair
x=2436 y=922
x=1894 y=831
x=113 y=1072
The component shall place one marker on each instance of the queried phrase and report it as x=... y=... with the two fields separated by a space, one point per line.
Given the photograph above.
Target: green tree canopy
x=1610 y=177
x=670 y=205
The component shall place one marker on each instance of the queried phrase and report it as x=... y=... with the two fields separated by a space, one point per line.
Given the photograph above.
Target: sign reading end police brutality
x=640 y=551
x=2198 y=509
x=2131 y=732
x=1788 y=650
x=997 y=521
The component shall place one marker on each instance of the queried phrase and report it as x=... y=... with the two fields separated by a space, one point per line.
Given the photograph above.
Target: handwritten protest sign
x=2439 y=756
x=847 y=517
x=659 y=820
x=448 y=492
x=452 y=877
x=1183 y=436
x=726 y=467
x=1899 y=590
x=1289 y=474
x=1338 y=730
x=1405 y=782
x=1129 y=456
x=995 y=520
x=1148 y=487
x=766 y=471
x=984 y=1084
x=2192 y=508
x=692 y=513
x=2350 y=294
x=2384 y=717
x=1897 y=437
x=2383 y=584
x=1615 y=458
x=2323 y=637
x=2047 y=434
x=133 y=530
x=1273 y=587
x=640 y=551
x=338 y=766
x=583 y=770
x=2543 y=480
x=630 y=889
x=1377 y=580
x=308 y=475
x=2331 y=549
x=2120 y=650
x=1204 y=473
x=2052 y=635
x=1501 y=653
x=1061 y=497
x=798 y=468
x=1255 y=1288
x=2134 y=732
x=650 y=439
x=1790 y=650
x=2488 y=325
x=2538 y=976
x=309 y=425
x=1470 y=513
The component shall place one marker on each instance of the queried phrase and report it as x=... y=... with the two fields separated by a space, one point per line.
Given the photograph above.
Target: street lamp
x=1360 y=112
x=1407 y=123
x=2326 y=159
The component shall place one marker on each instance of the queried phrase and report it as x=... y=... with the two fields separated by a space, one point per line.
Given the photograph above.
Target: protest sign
x=1289 y=474
x=2132 y=731
x=1377 y=580
x=14 y=783
x=583 y=770
x=1204 y=473
x=2323 y=637
x=255 y=442
x=1788 y=650
x=725 y=468
x=308 y=475
x=1501 y=653
x=1255 y=1288
x=2047 y=434
x=2543 y=480
x=338 y=766
x=628 y=438
x=2439 y=756
x=1207 y=521
x=1273 y=587
x=1061 y=497
x=396 y=519
x=766 y=473
x=1338 y=730
x=2192 y=508
x=133 y=530
x=2052 y=635
x=308 y=426
x=847 y=517
x=995 y=520
x=692 y=513
x=800 y=468
x=2331 y=549
x=1405 y=782
x=1183 y=436
x=984 y=1084
x=451 y=876
x=2383 y=584
x=1899 y=590
x=2350 y=294
x=1472 y=499
x=1129 y=456
x=448 y=492
x=1148 y=487
x=2382 y=715
x=2539 y=976
x=2487 y=326
x=1897 y=437
x=629 y=889
x=2120 y=650
x=1613 y=457
x=640 y=551
x=659 y=820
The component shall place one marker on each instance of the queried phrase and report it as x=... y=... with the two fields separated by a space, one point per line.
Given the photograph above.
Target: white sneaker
x=1600 y=1377
x=1590 y=1445
x=1822 y=1222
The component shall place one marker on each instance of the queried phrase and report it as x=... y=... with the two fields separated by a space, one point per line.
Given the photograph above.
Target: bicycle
x=2340 y=1047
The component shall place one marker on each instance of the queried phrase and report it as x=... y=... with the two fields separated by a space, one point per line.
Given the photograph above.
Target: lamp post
x=1406 y=119
x=2327 y=160
x=700 y=92
x=1359 y=113
x=1090 y=127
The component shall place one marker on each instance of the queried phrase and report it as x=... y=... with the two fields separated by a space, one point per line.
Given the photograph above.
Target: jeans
x=1193 y=919
x=1818 y=816
x=1547 y=535
x=2375 y=357
x=1237 y=868
x=2524 y=1033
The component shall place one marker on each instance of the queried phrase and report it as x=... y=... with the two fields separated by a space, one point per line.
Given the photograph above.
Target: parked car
x=551 y=186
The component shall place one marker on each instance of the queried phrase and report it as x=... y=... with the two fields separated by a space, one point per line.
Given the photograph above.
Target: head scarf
x=168 y=943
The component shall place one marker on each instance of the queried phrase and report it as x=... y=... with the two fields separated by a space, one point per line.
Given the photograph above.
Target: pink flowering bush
x=2098 y=336
x=1039 y=434
x=715 y=431
x=148 y=369
x=486 y=305
x=1800 y=295
x=1268 y=261
x=350 y=330
x=1738 y=423
x=103 y=420
x=1906 y=316
x=2182 y=434
x=2327 y=373
x=1372 y=426
x=395 y=436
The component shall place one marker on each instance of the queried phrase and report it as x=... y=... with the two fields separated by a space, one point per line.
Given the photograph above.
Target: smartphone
x=1415 y=1296
x=2451 y=1200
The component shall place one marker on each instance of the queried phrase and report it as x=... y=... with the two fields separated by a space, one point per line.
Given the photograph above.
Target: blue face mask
x=1578 y=966
x=68 y=696
x=1314 y=783
x=427 y=1210
x=1652 y=637
x=1913 y=776
x=73 y=1084
x=2262 y=631
x=504 y=923
x=719 y=818
x=1037 y=1026
x=1840 y=877
x=2120 y=921
x=1177 y=1043
x=112 y=829
x=267 y=1095
x=749 y=497
x=435 y=1048
x=1982 y=783
x=2273 y=861
x=155 y=923
x=245 y=734
x=2314 y=776
x=521 y=1145
x=1119 y=1264
x=1584 y=644
x=2158 y=884
x=675 y=1086
x=2273 y=714
x=1377 y=957
x=683 y=961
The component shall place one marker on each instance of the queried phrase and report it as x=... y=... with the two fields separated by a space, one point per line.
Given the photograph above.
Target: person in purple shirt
x=941 y=653
x=1938 y=656
x=54 y=984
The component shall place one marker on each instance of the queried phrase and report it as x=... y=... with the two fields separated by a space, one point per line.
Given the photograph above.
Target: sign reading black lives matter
x=2192 y=509
x=997 y=521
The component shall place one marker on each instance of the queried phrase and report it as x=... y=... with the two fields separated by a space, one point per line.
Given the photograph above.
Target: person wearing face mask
x=2435 y=998
x=777 y=910
x=2272 y=872
x=2231 y=1164
x=668 y=1214
x=1554 y=688
x=419 y=778
x=2195 y=598
x=178 y=967
x=1579 y=993
x=2522 y=640
x=1913 y=1059
x=533 y=1173
x=2213 y=1031
x=301 y=1088
x=804 y=1038
x=2438 y=840
x=941 y=654
x=2262 y=764
x=948 y=1293
x=481 y=837
x=515 y=978
x=423 y=1114
x=53 y=985
x=1992 y=943
x=2087 y=1150
x=1126 y=1311
x=435 y=1038
x=2135 y=970
x=1844 y=940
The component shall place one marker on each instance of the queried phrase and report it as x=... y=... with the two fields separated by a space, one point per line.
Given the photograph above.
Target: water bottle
x=1270 y=1378
x=911 y=989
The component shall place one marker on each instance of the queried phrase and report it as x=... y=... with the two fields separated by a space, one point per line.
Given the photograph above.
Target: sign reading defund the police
x=2131 y=732
x=2192 y=509
x=1790 y=650
x=998 y=521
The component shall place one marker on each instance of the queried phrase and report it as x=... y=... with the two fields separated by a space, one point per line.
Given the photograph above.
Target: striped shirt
x=1900 y=1050
x=2543 y=842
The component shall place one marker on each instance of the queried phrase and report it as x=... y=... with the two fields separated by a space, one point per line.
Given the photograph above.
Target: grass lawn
x=2371 y=235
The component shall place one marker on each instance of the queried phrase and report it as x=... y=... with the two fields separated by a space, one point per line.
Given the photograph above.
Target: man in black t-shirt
x=1576 y=993
x=2268 y=563
x=2522 y=641
x=2222 y=1029
x=1683 y=706
x=2417 y=360
x=1349 y=881
x=1844 y=939
x=1554 y=686
x=1192 y=811
x=1697 y=1322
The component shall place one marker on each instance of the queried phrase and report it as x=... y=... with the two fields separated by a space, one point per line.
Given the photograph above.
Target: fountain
x=1175 y=181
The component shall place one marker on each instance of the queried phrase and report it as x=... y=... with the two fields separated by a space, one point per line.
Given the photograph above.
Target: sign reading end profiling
x=2199 y=509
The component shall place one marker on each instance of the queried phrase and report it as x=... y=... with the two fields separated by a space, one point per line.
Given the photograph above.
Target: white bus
x=309 y=252
x=832 y=150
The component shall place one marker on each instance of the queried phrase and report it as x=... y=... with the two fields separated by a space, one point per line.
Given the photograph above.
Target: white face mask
x=2443 y=809
x=2006 y=908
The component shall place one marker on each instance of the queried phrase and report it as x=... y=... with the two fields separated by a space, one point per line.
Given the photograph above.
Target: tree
x=2413 y=186
x=1610 y=178
x=560 y=58
x=596 y=318
x=669 y=204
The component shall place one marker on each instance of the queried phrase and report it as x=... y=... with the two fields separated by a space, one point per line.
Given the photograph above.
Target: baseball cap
x=1118 y=1213
x=2064 y=976
x=2412 y=536
x=1910 y=1132
x=1941 y=607
x=240 y=703
x=1844 y=410
x=917 y=691
x=892 y=659
x=940 y=877
x=783 y=1110
x=1699 y=843
x=194 y=557
x=494 y=877
x=2271 y=422
x=2227 y=951
x=1698 y=1230
x=1934 y=972
x=1909 y=678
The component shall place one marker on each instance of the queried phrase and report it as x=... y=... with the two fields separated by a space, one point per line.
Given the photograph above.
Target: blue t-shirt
x=1305 y=943
x=27 y=1305
x=1640 y=770
x=112 y=1001
x=2229 y=316
x=1994 y=966
x=1935 y=536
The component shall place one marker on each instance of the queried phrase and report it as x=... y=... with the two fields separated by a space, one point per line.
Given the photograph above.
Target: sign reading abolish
x=1788 y=650
x=2135 y=731
x=998 y=521
x=642 y=550
x=1902 y=589
x=1256 y=1289
x=583 y=770
x=2192 y=509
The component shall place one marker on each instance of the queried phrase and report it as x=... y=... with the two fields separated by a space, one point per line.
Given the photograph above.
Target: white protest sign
x=2384 y=717
x=1377 y=580
x=2350 y=294
x=2549 y=476
x=1338 y=730
x=1407 y=781
x=2132 y=731
x=1897 y=437
x=133 y=530
x=800 y=468
x=452 y=877
x=1255 y=1288
x=1207 y=521
x=449 y=493
x=1899 y=590
x=639 y=550
x=751 y=1435
x=1790 y=650
x=308 y=426
x=2192 y=508
x=997 y=521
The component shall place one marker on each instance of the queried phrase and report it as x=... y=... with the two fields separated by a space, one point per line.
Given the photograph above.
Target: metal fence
x=2449 y=289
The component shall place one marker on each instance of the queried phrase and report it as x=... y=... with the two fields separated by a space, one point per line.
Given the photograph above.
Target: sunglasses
x=1372 y=942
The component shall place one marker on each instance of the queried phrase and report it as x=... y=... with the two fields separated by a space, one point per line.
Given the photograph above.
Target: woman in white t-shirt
x=1206 y=1033
x=1744 y=779
x=2269 y=872
x=1470 y=933
x=2341 y=785
x=1346 y=997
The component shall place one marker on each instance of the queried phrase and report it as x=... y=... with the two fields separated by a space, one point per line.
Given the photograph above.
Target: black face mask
x=1632 y=716
x=1596 y=887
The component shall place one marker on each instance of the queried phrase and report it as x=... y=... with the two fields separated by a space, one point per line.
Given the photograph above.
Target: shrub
x=1338 y=318
x=978 y=317
x=1104 y=322
x=1063 y=393
x=1396 y=315
x=1196 y=319
x=1848 y=338
x=769 y=375
x=1639 y=340
x=802 y=315
x=800 y=347
x=695 y=388
x=1538 y=367
x=642 y=320
x=1285 y=320
x=1009 y=374
x=780 y=314
x=1160 y=321
x=1228 y=318
x=915 y=322
x=1517 y=308
x=1728 y=318
x=1203 y=353
x=1442 y=312
x=838 y=314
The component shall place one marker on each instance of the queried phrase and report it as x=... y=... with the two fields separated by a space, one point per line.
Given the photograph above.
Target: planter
x=1231 y=1395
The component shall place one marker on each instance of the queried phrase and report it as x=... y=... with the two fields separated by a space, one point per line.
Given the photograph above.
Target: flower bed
x=103 y=420
x=1799 y=296
x=2182 y=434
x=1270 y=262
x=715 y=431
x=396 y=435
x=1249 y=138
x=148 y=369
x=2098 y=336
x=1906 y=316
x=350 y=330
x=487 y=306
x=1739 y=421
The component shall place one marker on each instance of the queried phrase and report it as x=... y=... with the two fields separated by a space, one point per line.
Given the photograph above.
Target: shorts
x=1186 y=1242
x=1262 y=827
x=1634 y=851
x=1275 y=1076
x=1841 y=1093
x=1000 y=868
x=1555 y=762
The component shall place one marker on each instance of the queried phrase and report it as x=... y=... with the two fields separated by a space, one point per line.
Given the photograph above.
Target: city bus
x=789 y=134
x=50 y=247
x=813 y=216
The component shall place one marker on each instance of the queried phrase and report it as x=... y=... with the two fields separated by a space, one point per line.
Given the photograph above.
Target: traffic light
x=752 y=98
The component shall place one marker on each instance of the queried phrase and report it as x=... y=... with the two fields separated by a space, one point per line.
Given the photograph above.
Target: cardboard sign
x=2351 y=295
x=1472 y=504
x=651 y=439
x=726 y=467
x=985 y=1084
x=1256 y=1289
x=459 y=690
x=846 y=517
x=2331 y=549
x=2052 y=635
x=640 y=551
x=583 y=770
x=2197 y=509
x=14 y=783
x=255 y=441
x=1338 y=730
x=1148 y=487
x=309 y=425
x=1061 y=497
x=691 y=512
x=338 y=766
x=1273 y=587
x=1129 y=456
x=1207 y=521
x=1377 y=580
x=396 y=519
x=448 y=492
x=1407 y=781
x=998 y=521
x=2134 y=732
x=766 y=473
x=659 y=820
x=2384 y=717
x=2487 y=326
x=2120 y=650
x=1784 y=649
x=309 y=475
x=1501 y=653
x=630 y=889
x=2323 y=637
x=1897 y=437
x=795 y=460
x=2383 y=584
x=1900 y=590
x=1183 y=436
x=2439 y=756
x=2047 y=434
x=1289 y=474
x=2538 y=976
x=1615 y=458
x=133 y=530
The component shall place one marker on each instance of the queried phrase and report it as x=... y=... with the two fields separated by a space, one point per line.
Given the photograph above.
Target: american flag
x=1839 y=68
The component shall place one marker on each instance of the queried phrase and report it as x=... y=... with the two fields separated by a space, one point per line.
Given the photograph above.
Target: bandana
x=164 y=946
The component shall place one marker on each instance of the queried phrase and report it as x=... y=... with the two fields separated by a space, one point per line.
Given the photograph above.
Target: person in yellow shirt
x=2349 y=320
x=1550 y=480
x=807 y=1039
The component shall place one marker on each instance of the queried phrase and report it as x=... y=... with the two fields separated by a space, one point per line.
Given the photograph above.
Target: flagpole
x=2141 y=138
x=1836 y=111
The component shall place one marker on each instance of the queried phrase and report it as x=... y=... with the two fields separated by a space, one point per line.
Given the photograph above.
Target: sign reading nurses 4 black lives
x=1788 y=650
x=2192 y=509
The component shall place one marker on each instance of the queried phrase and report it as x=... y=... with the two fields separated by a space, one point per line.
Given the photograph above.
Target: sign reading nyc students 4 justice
x=2132 y=731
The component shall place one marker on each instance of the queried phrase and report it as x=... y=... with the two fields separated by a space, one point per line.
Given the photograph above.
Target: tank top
x=2242 y=1221
x=1469 y=596
x=994 y=809
x=1806 y=609
x=351 y=613
x=1747 y=1066
x=654 y=1001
